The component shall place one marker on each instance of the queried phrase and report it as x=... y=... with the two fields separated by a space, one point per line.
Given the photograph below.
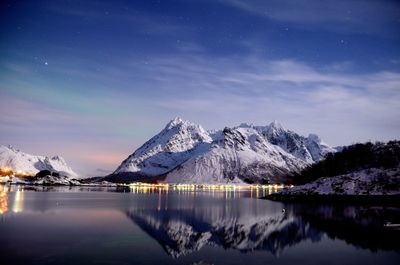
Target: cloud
x=215 y=92
x=363 y=17
x=19 y=114
x=104 y=12
x=342 y=107
x=140 y=97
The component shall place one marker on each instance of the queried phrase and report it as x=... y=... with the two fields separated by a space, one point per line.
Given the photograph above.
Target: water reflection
x=18 y=204
x=3 y=200
x=230 y=190
x=274 y=227
x=364 y=226
x=182 y=232
x=186 y=224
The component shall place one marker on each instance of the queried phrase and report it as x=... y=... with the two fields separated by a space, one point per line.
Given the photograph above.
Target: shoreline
x=235 y=186
x=339 y=198
x=63 y=185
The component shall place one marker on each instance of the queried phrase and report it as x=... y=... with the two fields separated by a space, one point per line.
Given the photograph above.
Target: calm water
x=113 y=226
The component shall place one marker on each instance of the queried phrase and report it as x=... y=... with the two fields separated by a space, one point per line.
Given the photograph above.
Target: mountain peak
x=245 y=125
x=174 y=122
x=59 y=159
x=314 y=137
x=276 y=125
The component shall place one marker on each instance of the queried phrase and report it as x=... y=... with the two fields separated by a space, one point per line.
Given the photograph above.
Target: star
x=46 y=63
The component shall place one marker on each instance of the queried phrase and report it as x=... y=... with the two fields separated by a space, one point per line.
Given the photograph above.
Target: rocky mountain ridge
x=184 y=152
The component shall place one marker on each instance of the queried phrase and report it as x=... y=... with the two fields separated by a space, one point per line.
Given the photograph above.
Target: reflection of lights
x=258 y=190
x=3 y=201
x=18 y=205
x=159 y=200
x=148 y=188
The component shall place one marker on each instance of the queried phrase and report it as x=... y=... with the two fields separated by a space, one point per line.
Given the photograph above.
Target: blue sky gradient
x=93 y=80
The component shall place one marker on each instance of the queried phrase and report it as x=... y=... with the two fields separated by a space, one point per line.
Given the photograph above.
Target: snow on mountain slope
x=309 y=149
x=185 y=152
x=372 y=181
x=238 y=155
x=19 y=161
x=45 y=180
x=176 y=143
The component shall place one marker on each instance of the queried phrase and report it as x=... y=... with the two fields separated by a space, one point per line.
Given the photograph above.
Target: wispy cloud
x=232 y=89
x=363 y=17
x=242 y=89
x=103 y=12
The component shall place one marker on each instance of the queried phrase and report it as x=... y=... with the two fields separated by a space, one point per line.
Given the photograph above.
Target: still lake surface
x=81 y=225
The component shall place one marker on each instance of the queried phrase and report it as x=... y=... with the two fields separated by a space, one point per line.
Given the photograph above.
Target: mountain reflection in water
x=120 y=226
x=182 y=232
x=242 y=227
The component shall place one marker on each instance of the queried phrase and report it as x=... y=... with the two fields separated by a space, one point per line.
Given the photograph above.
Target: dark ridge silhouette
x=352 y=158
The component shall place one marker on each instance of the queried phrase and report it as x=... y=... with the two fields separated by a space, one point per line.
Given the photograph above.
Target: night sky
x=92 y=80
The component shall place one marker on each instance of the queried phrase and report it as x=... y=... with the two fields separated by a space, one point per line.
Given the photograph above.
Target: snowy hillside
x=373 y=181
x=359 y=169
x=44 y=180
x=186 y=153
x=20 y=162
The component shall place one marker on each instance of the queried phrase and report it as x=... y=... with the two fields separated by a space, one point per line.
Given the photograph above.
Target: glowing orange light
x=3 y=202
x=185 y=188
x=5 y=169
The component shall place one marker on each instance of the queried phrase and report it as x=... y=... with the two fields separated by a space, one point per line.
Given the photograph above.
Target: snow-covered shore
x=373 y=181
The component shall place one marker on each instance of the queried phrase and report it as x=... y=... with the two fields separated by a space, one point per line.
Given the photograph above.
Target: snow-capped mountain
x=18 y=161
x=171 y=147
x=184 y=152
